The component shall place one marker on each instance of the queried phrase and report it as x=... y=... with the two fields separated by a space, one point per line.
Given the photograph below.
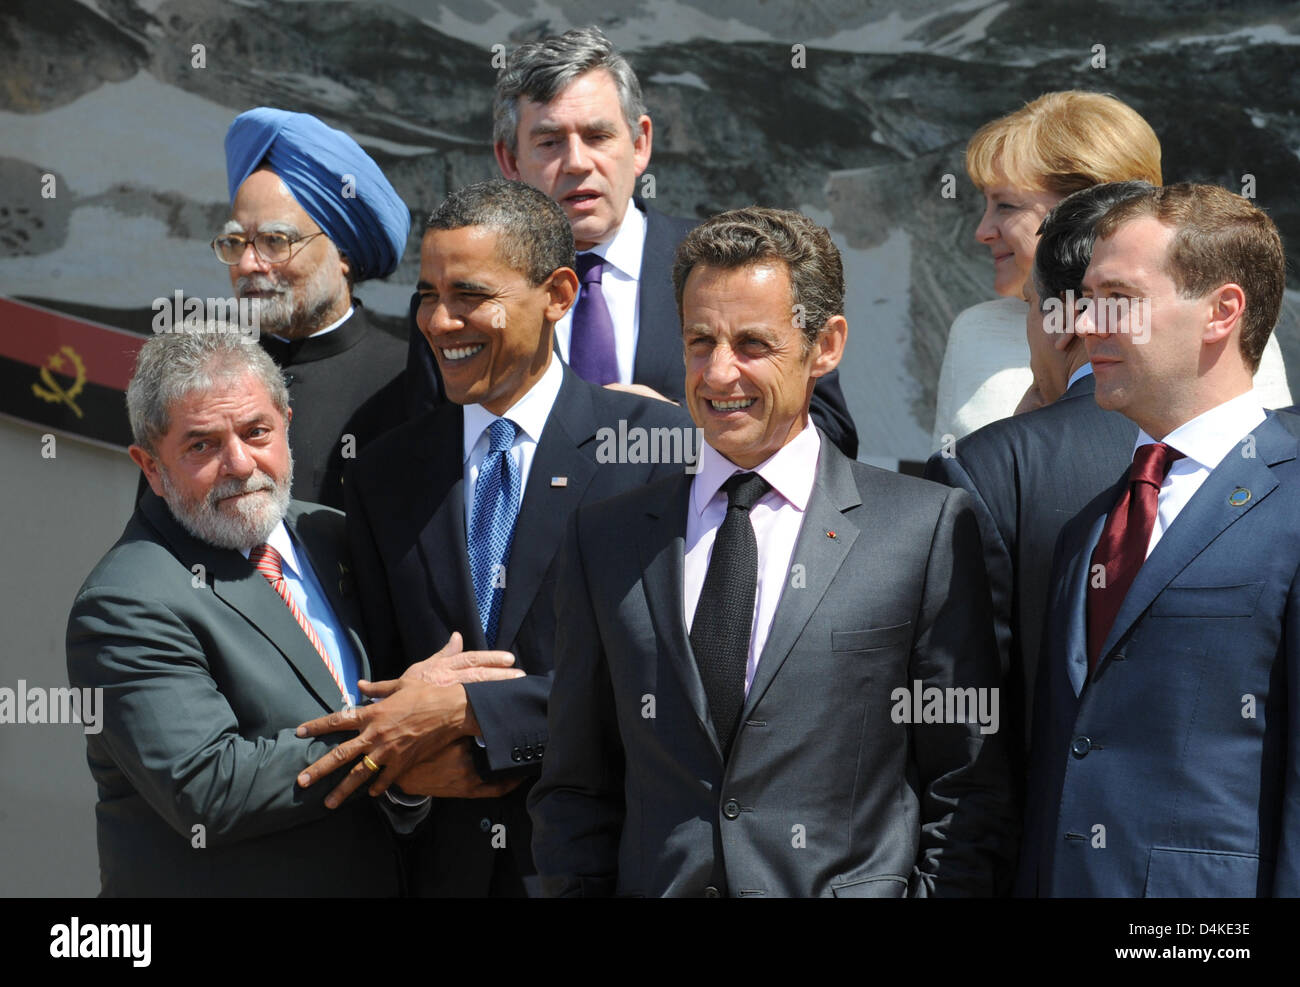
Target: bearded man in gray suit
x=776 y=677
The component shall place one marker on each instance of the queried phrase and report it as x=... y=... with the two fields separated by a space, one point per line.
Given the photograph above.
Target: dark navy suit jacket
x=1176 y=771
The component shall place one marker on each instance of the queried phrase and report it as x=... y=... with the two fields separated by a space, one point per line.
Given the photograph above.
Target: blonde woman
x=1024 y=164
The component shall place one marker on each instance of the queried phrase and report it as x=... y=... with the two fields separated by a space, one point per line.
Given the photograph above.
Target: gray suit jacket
x=206 y=674
x=826 y=792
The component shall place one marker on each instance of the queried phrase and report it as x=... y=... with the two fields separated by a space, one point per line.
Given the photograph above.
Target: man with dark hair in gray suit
x=742 y=656
x=1031 y=473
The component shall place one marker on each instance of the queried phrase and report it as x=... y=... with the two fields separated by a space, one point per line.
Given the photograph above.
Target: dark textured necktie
x=492 y=524
x=724 y=616
x=591 y=341
x=1122 y=547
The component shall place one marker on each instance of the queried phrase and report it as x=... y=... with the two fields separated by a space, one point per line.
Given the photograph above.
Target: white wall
x=59 y=515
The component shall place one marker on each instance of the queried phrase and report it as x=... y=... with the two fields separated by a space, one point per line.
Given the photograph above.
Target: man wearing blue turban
x=312 y=215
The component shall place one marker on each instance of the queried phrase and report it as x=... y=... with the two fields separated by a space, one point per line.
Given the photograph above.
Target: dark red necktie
x=1122 y=548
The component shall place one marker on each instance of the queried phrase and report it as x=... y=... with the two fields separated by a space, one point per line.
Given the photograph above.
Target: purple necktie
x=591 y=343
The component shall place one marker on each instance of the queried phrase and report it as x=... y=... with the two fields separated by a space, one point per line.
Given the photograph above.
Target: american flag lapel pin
x=559 y=481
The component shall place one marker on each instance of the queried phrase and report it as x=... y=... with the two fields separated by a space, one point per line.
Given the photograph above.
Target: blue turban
x=363 y=215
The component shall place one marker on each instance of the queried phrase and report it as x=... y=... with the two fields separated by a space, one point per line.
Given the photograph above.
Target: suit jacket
x=205 y=675
x=1027 y=476
x=827 y=790
x=659 y=362
x=1174 y=773
x=349 y=382
x=406 y=525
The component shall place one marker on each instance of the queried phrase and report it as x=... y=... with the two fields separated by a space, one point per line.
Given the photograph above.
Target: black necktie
x=724 y=616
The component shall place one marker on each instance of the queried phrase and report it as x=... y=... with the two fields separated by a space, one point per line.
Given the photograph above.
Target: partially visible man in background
x=569 y=119
x=311 y=216
x=1030 y=473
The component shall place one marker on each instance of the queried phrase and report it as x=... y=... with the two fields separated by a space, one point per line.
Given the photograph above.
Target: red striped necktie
x=1122 y=547
x=271 y=565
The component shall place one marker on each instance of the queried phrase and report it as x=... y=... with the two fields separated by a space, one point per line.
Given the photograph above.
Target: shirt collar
x=791 y=470
x=279 y=540
x=1078 y=375
x=625 y=249
x=1211 y=435
x=321 y=332
x=529 y=413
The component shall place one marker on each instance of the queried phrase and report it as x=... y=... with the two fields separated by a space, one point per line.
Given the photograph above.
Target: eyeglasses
x=273 y=248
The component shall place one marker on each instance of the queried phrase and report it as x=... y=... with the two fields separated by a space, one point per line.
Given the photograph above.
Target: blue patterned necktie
x=492 y=524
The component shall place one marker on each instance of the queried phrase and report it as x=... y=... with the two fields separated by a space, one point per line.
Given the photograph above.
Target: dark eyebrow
x=1120 y=283
x=471 y=286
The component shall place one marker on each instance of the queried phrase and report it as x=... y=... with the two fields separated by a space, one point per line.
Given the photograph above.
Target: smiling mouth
x=453 y=354
x=735 y=404
x=580 y=197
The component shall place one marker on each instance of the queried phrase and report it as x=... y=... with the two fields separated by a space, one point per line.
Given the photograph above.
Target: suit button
x=712 y=892
x=1080 y=746
x=528 y=753
x=516 y=755
x=485 y=824
x=731 y=808
x=541 y=749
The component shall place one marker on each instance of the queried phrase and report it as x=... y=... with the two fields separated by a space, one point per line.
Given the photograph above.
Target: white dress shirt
x=777 y=518
x=620 y=283
x=1204 y=442
x=529 y=414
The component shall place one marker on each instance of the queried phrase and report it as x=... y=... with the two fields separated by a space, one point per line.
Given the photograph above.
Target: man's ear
x=829 y=348
x=642 y=142
x=1227 y=309
x=149 y=466
x=506 y=161
x=561 y=288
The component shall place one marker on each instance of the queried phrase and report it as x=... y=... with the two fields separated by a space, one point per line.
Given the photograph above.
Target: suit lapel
x=442 y=541
x=234 y=581
x=545 y=510
x=661 y=543
x=656 y=304
x=1206 y=516
x=834 y=492
x=335 y=576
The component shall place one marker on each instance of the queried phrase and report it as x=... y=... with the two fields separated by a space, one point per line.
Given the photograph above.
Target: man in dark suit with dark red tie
x=1164 y=756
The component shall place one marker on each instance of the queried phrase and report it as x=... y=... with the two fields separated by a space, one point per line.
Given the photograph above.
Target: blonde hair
x=1063 y=142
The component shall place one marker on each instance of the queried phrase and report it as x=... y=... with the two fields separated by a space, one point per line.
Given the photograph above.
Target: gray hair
x=540 y=70
x=173 y=365
x=756 y=234
x=533 y=234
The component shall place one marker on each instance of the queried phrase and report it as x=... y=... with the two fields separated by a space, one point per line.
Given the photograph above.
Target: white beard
x=253 y=518
x=289 y=313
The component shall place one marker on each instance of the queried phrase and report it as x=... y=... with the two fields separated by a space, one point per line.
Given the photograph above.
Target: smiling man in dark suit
x=1029 y=474
x=738 y=652
x=569 y=119
x=1164 y=758
x=455 y=520
x=220 y=620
